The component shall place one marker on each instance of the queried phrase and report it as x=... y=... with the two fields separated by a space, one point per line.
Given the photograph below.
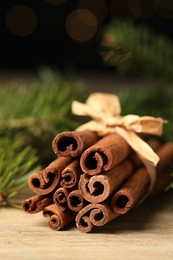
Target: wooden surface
x=144 y=233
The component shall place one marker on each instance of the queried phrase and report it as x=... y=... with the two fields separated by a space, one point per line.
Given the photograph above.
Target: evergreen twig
x=134 y=49
x=17 y=162
x=154 y=102
x=30 y=117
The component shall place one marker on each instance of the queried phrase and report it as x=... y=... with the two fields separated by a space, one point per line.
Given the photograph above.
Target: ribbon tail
x=153 y=173
x=143 y=150
x=139 y=146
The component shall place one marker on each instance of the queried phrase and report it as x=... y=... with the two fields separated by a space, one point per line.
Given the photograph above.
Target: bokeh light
x=55 y=2
x=97 y=7
x=21 y=20
x=81 y=25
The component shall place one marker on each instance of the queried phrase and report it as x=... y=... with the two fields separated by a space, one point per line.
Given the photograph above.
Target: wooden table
x=144 y=233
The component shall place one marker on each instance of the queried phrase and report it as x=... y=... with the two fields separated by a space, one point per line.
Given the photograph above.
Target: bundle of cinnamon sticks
x=94 y=180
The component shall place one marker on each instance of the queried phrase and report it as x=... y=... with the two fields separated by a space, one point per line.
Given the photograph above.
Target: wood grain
x=144 y=233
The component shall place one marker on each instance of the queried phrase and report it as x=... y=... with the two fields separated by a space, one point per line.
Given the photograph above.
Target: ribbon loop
x=105 y=111
x=107 y=104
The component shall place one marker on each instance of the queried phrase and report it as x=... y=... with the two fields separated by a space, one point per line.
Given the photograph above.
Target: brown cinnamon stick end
x=108 y=152
x=45 y=181
x=94 y=160
x=75 y=201
x=60 y=198
x=71 y=174
x=58 y=219
x=121 y=203
x=36 y=203
x=73 y=143
x=94 y=189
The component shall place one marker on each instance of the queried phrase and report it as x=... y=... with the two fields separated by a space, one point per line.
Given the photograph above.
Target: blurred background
x=67 y=33
x=55 y=51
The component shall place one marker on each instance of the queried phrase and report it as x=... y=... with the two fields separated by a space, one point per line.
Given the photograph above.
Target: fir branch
x=31 y=114
x=39 y=99
x=39 y=110
x=136 y=49
x=43 y=122
x=17 y=162
x=154 y=102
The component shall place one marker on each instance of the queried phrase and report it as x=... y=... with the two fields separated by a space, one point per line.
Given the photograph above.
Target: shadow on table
x=146 y=216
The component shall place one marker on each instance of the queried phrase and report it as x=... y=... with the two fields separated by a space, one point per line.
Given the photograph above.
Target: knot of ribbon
x=105 y=111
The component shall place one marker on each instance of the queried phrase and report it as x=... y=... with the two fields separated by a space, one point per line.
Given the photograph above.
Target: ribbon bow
x=105 y=110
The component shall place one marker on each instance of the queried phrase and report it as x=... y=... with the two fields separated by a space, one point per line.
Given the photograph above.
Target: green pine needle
x=17 y=162
x=40 y=102
x=136 y=50
x=31 y=114
x=39 y=110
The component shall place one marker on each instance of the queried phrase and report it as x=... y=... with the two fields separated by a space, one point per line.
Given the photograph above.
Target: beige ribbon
x=105 y=110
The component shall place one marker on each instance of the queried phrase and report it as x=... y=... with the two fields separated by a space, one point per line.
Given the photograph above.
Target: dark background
x=33 y=33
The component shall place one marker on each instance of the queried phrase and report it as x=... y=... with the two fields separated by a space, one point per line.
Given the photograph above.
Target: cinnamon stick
x=73 y=143
x=94 y=215
x=138 y=183
x=46 y=180
x=76 y=201
x=58 y=219
x=105 y=154
x=60 y=198
x=97 y=188
x=164 y=169
x=71 y=174
x=36 y=203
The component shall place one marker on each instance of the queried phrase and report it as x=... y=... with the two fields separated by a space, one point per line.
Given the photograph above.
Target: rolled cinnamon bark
x=164 y=169
x=46 y=180
x=73 y=143
x=36 y=203
x=71 y=174
x=76 y=201
x=58 y=219
x=94 y=215
x=97 y=188
x=104 y=155
x=138 y=183
x=60 y=198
